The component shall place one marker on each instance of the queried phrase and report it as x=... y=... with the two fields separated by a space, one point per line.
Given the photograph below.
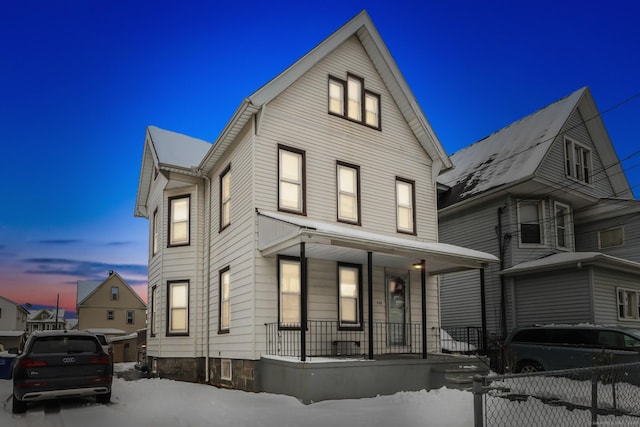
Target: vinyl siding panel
x=554 y=297
x=587 y=237
x=604 y=295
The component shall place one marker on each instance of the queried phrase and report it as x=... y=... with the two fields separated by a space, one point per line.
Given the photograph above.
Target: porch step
x=458 y=377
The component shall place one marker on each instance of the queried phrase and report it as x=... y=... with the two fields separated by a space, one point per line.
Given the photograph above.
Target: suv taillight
x=102 y=360
x=32 y=363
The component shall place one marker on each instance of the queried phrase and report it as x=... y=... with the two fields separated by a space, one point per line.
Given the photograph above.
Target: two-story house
x=111 y=306
x=46 y=319
x=548 y=196
x=307 y=230
x=13 y=323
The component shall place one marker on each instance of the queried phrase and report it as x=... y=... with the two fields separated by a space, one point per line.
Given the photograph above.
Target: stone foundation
x=179 y=368
x=242 y=374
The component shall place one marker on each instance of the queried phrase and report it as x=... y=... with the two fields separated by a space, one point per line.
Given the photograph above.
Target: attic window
x=350 y=100
x=578 y=161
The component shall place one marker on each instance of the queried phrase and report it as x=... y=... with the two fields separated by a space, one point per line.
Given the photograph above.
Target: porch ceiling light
x=418 y=265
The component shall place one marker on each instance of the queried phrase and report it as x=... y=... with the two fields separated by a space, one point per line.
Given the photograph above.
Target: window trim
x=570 y=145
x=620 y=227
x=224 y=377
x=187 y=242
x=413 y=206
x=541 y=221
x=303 y=180
x=280 y=259
x=177 y=333
x=359 y=324
x=111 y=315
x=362 y=101
x=115 y=296
x=225 y=222
x=221 y=273
x=636 y=293
x=133 y=317
x=356 y=168
x=568 y=226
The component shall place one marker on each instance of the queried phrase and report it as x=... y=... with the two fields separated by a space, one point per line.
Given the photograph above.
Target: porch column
x=303 y=303
x=423 y=286
x=370 y=302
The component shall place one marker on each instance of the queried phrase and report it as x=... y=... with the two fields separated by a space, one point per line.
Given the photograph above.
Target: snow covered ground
x=159 y=403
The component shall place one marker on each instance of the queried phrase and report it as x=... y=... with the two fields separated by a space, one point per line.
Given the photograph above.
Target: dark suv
x=61 y=364
x=546 y=348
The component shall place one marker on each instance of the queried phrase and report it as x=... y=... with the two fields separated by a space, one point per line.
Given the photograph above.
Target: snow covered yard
x=158 y=402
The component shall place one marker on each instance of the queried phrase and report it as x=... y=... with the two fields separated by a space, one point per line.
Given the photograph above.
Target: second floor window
x=351 y=100
x=156 y=232
x=110 y=315
x=530 y=218
x=114 y=293
x=225 y=198
x=130 y=317
x=611 y=238
x=578 y=161
x=563 y=225
x=179 y=221
x=405 y=206
x=348 y=177
x=291 y=180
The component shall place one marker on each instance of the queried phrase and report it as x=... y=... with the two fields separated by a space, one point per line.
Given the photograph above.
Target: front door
x=396 y=309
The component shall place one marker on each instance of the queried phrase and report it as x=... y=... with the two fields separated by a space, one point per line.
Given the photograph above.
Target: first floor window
x=154 y=309
x=530 y=218
x=349 y=289
x=628 y=304
x=225 y=277
x=179 y=221
x=289 y=290
x=178 y=308
x=405 y=206
x=610 y=238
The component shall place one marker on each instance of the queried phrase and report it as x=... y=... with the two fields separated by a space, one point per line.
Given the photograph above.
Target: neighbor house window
x=349 y=291
x=289 y=291
x=225 y=198
x=225 y=277
x=154 y=310
x=291 y=180
x=563 y=225
x=110 y=315
x=628 y=304
x=114 y=293
x=156 y=232
x=405 y=206
x=351 y=100
x=611 y=238
x=578 y=161
x=530 y=220
x=179 y=221
x=178 y=310
x=130 y=317
x=348 y=177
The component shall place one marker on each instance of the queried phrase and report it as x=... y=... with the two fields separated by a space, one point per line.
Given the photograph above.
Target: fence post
x=478 y=391
x=594 y=397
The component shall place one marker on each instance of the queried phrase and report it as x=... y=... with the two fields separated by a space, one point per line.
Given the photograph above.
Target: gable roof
x=18 y=306
x=362 y=27
x=100 y=284
x=514 y=153
x=84 y=288
x=176 y=149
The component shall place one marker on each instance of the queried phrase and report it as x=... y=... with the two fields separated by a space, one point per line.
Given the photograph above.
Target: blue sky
x=81 y=79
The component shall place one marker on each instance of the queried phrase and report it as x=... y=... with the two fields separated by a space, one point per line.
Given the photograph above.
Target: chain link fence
x=598 y=396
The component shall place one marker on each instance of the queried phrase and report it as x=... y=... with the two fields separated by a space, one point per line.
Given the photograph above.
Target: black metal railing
x=326 y=338
x=464 y=340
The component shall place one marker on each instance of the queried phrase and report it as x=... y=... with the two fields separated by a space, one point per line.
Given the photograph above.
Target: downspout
x=206 y=255
x=502 y=238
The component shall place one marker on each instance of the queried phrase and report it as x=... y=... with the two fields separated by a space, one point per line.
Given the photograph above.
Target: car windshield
x=633 y=332
x=66 y=344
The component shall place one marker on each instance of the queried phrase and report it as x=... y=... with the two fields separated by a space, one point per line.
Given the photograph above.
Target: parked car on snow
x=61 y=364
x=554 y=347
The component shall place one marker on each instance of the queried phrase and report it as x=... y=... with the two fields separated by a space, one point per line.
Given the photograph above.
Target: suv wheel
x=18 y=406
x=103 y=398
x=528 y=367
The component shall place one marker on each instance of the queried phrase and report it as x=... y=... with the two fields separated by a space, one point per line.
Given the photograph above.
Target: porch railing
x=330 y=339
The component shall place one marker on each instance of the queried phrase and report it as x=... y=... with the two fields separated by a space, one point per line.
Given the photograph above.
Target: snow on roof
x=84 y=288
x=176 y=149
x=566 y=259
x=106 y=331
x=510 y=154
x=123 y=337
x=11 y=333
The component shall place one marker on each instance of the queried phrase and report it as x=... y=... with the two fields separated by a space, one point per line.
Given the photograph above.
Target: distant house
x=308 y=229
x=46 y=319
x=13 y=323
x=110 y=305
x=548 y=196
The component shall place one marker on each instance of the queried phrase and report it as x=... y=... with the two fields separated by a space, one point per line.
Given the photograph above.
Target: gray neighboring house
x=548 y=196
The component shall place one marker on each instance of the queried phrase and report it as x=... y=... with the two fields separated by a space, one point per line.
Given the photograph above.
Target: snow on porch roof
x=281 y=234
x=572 y=259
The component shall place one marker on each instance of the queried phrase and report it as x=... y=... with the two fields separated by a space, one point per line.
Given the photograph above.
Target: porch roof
x=575 y=260
x=281 y=234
